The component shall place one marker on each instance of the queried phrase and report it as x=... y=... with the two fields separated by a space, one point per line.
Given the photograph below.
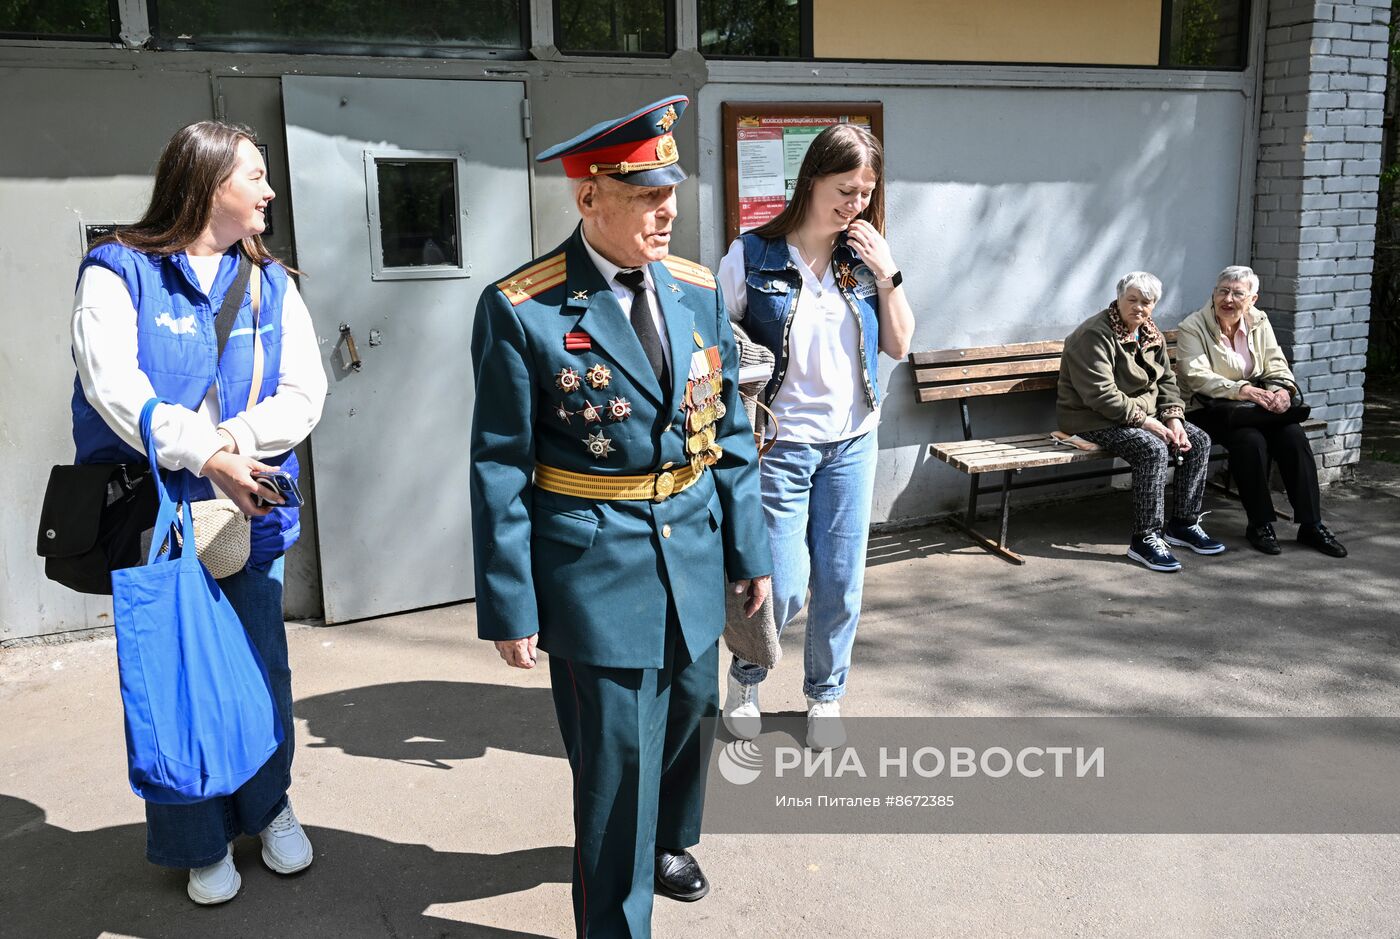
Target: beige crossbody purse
x=223 y=536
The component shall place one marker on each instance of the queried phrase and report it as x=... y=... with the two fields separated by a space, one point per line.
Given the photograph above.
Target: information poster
x=764 y=147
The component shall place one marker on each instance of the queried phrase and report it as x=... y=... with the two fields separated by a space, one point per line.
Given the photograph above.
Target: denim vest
x=773 y=282
x=178 y=351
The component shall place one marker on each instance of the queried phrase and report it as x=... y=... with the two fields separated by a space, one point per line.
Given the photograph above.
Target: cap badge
x=667 y=119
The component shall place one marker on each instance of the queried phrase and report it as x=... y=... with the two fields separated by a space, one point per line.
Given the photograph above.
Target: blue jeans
x=816 y=498
x=198 y=835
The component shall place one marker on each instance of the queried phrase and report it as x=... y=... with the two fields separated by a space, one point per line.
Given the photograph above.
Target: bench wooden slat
x=977 y=389
x=1012 y=350
x=964 y=373
x=959 y=446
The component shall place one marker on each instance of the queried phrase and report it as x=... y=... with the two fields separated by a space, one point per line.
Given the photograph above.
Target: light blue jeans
x=816 y=498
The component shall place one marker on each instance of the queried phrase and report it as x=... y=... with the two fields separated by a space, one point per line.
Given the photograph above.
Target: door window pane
x=767 y=29
x=1207 y=33
x=418 y=213
x=626 y=26
x=361 y=27
x=58 y=19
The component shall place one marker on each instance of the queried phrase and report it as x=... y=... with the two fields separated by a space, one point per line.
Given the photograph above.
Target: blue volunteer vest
x=773 y=281
x=177 y=349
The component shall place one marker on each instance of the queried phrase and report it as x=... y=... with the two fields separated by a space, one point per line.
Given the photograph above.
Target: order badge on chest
x=702 y=406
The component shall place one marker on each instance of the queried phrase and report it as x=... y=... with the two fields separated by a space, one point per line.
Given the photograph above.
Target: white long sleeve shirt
x=104 y=348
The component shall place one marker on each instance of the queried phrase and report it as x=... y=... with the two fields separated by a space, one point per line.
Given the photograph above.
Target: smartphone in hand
x=282 y=483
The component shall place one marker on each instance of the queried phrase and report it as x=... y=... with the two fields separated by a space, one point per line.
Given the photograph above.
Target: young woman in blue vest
x=143 y=325
x=819 y=288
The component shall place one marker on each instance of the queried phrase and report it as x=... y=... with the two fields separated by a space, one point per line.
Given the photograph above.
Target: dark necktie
x=642 y=322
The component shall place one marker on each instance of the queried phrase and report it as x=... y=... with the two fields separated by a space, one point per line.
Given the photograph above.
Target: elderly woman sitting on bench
x=1117 y=390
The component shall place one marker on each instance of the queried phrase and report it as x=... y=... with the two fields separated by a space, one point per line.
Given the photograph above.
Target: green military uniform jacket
x=554 y=353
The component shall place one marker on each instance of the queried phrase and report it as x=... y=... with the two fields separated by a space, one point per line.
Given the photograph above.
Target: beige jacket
x=1208 y=368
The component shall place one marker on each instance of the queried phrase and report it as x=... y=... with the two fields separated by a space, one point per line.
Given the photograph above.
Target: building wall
x=1103 y=32
x=1013 y=212
x=1017 y=197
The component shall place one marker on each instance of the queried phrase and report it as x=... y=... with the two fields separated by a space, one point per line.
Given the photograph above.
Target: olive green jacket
x=1108 y=379
x=1209 y=368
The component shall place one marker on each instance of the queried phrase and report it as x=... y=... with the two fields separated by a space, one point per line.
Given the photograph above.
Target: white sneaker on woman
x=217 y=883
x=824 y=728
x=286 y=849
x=741 y=713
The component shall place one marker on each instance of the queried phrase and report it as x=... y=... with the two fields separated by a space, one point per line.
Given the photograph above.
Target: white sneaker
x=741 y=714
x=824 y=728
x=286 y=849
x=217 y=883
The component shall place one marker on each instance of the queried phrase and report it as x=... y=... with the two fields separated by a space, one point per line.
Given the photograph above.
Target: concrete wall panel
x=1013 y=213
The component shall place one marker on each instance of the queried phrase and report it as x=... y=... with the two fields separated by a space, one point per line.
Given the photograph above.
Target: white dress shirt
x=104 y=348
x=822 y=395
x=624 y=295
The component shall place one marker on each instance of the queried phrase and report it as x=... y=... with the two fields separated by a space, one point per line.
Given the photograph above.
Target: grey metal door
x=407 y=196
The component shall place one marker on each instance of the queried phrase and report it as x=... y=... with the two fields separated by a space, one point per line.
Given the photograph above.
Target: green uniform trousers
x=639 y=742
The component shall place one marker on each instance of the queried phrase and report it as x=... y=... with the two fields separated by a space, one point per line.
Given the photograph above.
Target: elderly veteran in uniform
x=1117 y=390
x=1226 y=351
x=614 y=489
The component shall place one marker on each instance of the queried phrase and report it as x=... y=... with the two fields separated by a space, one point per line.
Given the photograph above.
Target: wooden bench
x=964 y=374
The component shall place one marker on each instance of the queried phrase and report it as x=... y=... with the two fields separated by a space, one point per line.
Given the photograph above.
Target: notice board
x=764 y=143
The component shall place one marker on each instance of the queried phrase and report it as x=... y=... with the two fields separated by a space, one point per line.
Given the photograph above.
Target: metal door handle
x=349 y=338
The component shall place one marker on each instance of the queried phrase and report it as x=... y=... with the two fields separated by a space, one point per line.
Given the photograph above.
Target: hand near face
x=873 y=249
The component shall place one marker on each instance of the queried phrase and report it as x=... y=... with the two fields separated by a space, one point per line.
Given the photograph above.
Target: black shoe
x=1317 y=536
x=1151 y=551
x=679 y=877
x=1188 y=533
x=1263 y=538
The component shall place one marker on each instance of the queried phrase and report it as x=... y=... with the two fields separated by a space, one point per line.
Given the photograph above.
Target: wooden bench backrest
x=949 y=374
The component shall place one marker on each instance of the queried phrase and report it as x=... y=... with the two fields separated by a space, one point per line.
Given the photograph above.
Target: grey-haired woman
x=1117 y=390
x=1226 y=351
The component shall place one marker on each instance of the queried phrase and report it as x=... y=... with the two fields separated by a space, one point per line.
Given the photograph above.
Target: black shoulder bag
x=94 y=513
x=1248 y=414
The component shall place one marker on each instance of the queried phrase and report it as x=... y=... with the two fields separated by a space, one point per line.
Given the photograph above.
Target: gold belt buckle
x=665 y=485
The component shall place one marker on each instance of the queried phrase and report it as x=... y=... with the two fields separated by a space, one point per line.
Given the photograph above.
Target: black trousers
x=1251 y=450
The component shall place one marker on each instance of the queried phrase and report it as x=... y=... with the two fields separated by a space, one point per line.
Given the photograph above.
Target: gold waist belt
x=657 y=487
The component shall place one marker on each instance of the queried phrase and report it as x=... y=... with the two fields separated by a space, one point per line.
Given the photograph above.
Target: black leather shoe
x=679 y=877
x=1317 y=536
x=1263 y=538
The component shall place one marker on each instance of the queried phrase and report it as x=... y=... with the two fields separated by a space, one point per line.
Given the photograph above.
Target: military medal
x=598 y=445
x=567 y=380
x=598 y=376
x=695 y=334
x=590 y=414
x=563 y=413
x=619 y=409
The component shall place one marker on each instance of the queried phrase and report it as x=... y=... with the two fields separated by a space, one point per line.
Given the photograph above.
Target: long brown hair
x=841 y=148
x=193 y=165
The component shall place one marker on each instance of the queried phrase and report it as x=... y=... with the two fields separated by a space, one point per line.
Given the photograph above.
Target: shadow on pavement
x=59 y=883
x=428 y=723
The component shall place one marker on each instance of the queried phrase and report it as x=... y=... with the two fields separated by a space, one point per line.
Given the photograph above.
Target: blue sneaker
x=1151 y=551
x=1192 y=535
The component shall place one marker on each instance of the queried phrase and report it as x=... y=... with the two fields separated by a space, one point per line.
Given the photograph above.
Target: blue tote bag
x=200 y=717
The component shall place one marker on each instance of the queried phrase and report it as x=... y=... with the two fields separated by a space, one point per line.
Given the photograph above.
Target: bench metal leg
x=968 y=524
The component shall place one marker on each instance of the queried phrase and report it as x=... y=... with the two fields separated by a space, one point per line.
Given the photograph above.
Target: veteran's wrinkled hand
x=519 y=653
x=758 y=590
